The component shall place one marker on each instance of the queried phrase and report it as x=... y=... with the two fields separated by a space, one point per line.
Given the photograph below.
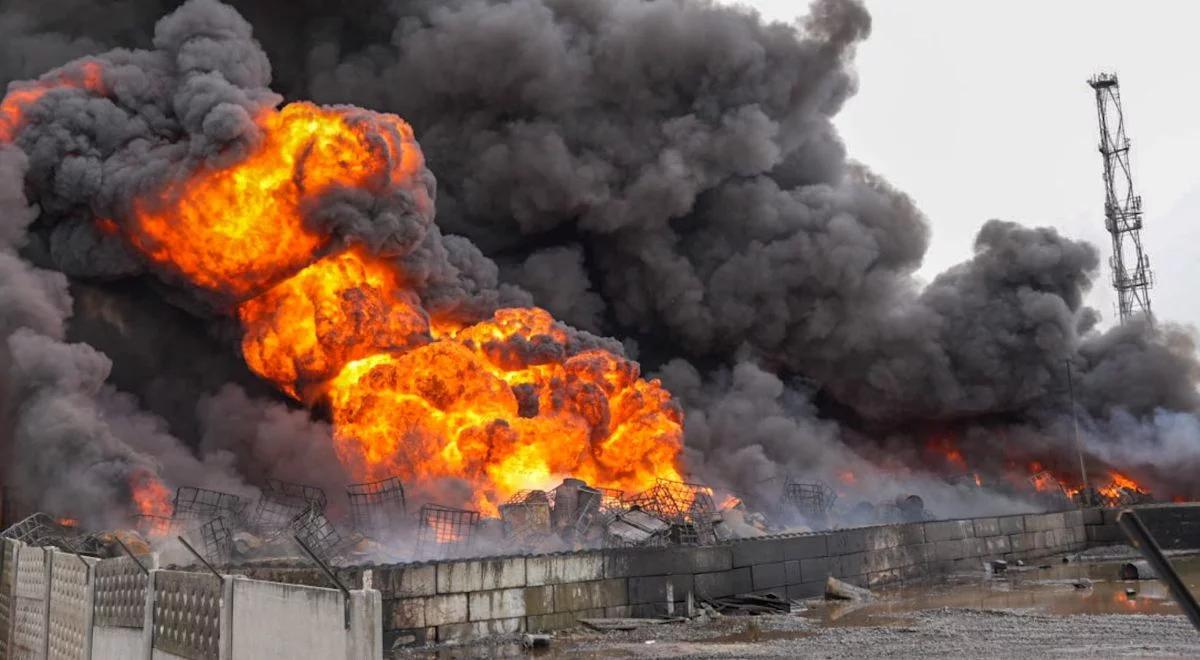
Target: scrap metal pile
x=376 y=524
x=576 y=515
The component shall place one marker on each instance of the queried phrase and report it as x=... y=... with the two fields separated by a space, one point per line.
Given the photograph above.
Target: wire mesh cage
x=218 y=541
x=445 y=530
x=281 y=502
x=811 y=500
x=37 y=529
x=687 y=507
x=377 y=507
x=201 y=504
x=314 y=529
x=611 y=499
x=526 y=515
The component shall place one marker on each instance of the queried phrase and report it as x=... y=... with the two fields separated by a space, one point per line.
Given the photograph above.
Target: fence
x=59 y=606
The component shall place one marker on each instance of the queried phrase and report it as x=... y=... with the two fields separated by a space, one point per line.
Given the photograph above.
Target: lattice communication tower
x=1131 y=275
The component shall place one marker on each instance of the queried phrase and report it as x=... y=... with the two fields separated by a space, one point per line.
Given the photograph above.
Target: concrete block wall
x=464 y=599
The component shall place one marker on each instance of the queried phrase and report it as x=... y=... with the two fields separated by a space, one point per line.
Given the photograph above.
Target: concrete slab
x=758 y=551
x=985 y=527
x=564 y=568
x=845 y=541
x=653 y=589
x=445 y=608
x=1011 y=524
x=949 y=530
x=407 y=580
x=816 y=569
x=496 y=604
x=792 y=572
x=767 y=576
x=539 y=600
x=806 y=547
x=723 y=583
x=404 y=613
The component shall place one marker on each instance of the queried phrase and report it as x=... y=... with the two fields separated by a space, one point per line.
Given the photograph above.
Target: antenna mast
x=1131 y=275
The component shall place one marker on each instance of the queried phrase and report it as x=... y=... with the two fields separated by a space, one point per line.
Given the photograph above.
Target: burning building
x=212 y=279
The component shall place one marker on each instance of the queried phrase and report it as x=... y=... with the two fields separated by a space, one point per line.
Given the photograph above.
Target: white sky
x=981 y=110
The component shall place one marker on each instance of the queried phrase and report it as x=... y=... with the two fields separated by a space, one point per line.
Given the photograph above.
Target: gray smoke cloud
x=666 y=172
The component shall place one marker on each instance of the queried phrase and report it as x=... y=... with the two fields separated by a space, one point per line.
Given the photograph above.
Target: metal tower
x=1131 y=275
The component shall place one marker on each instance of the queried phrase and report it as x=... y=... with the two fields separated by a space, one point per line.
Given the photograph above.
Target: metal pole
x=330 y=574
x=132 y=556
x=1086 y=500
x=198 y=556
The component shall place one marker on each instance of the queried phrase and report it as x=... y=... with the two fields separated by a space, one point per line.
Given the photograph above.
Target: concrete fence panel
x=187 y=615
x=286 y=622
x=122 y=627
x=31 y=604
x=69 y=628
x=8 y=582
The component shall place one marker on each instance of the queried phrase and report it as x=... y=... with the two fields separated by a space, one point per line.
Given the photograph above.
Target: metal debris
x=281 y=503
x=635 y=527
x=526 y=516
x=314 y=529
x=202 y=505
x=445 y=530
x=811 y=500
x=218 y=541
x=687 y=507
x=377 y=507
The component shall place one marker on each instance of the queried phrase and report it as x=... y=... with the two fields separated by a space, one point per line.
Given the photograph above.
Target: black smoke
x=666 y=172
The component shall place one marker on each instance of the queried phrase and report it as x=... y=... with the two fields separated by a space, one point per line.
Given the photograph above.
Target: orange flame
x=498 y=403
x=149 y=494
x=1115 y=489
x=14 y=107
x=847 y=477
x=946 y=446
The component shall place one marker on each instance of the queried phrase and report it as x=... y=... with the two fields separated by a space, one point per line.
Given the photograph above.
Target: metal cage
x=377 y=507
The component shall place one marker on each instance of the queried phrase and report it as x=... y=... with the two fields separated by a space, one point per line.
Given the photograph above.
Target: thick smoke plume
x=665 y=172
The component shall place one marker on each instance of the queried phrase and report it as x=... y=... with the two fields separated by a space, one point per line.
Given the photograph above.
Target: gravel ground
x=944 y=633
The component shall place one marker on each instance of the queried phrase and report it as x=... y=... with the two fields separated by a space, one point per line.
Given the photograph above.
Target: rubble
x=1137 y=570
x=687 y=507
x=836 y=589
x=750 y=604
x=635 y=527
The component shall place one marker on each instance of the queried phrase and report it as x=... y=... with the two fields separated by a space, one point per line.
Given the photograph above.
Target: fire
x=67 y=522
x=21 y=96
x=149 y=495
x=1119 y=483
x=847 y=477
x=948 y=449
x=236 y=230
x=507 y=403
x=451 y=408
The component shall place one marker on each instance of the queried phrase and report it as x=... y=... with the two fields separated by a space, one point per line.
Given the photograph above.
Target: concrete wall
x=459 y=600
x=71 y=609
x=267 y=614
